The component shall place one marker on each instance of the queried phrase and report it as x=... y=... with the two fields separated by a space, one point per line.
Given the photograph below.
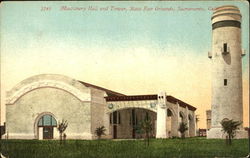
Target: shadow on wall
x=227 y=58
x=2 y=130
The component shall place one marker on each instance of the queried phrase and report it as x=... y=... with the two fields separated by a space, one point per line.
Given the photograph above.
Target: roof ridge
x=182 y=102
x=109 y=92
x=149 y=97
x=136 y=95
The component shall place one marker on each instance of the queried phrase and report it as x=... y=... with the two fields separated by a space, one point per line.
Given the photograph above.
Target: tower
x=226 y=69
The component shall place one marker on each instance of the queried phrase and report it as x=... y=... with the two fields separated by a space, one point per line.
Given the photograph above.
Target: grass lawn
x=158 y=148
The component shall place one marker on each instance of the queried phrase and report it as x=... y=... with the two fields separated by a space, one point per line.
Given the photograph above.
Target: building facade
x=38 y=104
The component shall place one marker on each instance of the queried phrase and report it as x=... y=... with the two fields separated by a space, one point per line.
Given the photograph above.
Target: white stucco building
x=226 y=61
x=36 y=105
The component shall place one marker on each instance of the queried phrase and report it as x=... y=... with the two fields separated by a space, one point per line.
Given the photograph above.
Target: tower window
x=225 y=47
x=225 y=82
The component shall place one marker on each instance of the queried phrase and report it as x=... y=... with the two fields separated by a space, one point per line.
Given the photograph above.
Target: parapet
x=226 y=16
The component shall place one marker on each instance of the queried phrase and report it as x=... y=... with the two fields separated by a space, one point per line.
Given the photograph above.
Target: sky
x=136 y=50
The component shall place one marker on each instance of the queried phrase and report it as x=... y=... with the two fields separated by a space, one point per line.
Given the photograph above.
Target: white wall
x=21 y=116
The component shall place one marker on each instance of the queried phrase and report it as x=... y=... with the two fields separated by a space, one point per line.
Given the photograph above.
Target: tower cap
x=226 y=13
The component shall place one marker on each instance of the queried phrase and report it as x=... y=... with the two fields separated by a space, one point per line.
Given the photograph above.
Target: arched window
x=47 y=120
x=190 y=117
x=181 y=116
x=169 y=113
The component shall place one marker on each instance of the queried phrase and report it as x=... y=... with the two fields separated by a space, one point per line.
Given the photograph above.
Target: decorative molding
x=226 y=23
x=12 y=98
x=120 y=105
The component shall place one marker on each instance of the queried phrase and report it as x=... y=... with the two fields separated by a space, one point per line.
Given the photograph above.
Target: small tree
x=146 y=127
x=182 y=129
x=230 y=127
x=99 y=131
x=139 y=132
x=61 y=128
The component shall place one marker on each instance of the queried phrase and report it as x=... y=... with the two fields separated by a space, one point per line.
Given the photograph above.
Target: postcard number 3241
x=45 y=8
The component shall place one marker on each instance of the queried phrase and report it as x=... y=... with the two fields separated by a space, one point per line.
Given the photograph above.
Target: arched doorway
x=115 y=120
x=46 y=125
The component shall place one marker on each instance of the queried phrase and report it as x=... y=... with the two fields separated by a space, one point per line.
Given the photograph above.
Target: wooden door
x=47 y=132
x=114 y=131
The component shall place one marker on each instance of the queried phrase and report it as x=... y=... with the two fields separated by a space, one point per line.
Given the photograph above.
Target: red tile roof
x=170 y=99
x=109 y=92
x=174 y=100
x=132 y=98
x=115 y=96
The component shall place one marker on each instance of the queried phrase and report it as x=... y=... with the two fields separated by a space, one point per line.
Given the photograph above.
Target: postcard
x=96 y=78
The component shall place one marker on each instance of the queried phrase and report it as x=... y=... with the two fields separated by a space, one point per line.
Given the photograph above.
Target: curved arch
x=170 y=121
x=190 y=117
x=123 y=108
x=172 y=111
x=128 y=119
x=225 y=119
x=169 y=113
x=38 y=118
x=181 y=114
x=47 y=120
x=65 y=83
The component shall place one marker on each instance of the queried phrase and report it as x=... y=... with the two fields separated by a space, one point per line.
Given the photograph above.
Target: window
x=190 y=117
x=119 y=118
x=47 y=120
x=133 y=117
x=225 y=47
x=225 y=82
x=40 y=123
x=115 y=117
x=169 y=113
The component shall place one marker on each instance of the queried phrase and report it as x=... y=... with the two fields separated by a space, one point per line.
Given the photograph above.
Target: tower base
x=217 y=133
